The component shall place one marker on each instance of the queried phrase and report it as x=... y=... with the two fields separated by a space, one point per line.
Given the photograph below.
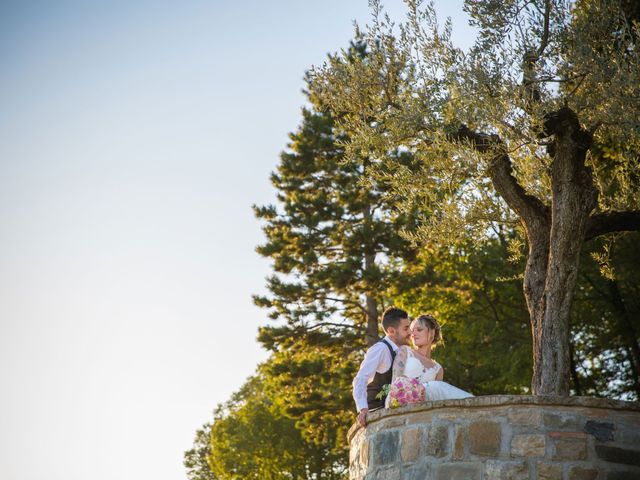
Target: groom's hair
x=392 y=316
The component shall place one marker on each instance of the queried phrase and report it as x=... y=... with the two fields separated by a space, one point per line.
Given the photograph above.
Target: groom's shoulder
x=379 y=345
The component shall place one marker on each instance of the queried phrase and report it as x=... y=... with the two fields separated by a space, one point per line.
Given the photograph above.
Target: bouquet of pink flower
x=405 y=391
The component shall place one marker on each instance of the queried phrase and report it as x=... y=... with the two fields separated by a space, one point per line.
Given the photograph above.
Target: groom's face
x=402 y=333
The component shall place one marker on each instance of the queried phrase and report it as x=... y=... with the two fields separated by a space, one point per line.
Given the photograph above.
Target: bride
x=425 y=333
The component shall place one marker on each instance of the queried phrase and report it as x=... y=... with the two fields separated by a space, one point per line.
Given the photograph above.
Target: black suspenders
x=393 y=353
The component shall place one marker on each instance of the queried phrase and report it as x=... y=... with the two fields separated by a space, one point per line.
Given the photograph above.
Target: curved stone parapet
x=500 y=437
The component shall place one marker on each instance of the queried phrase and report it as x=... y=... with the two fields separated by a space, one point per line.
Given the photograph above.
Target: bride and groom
x=392 y=357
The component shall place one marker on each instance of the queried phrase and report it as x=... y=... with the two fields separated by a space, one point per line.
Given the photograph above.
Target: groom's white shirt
x=377 y=359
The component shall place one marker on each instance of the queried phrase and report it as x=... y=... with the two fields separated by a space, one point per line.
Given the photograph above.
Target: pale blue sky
x=134 y=137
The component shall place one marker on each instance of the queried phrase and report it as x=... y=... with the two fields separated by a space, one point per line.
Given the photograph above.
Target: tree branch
x=603 y=223
x=545 y=34
x=529 y=208
x=529 y=62
x=330 y=324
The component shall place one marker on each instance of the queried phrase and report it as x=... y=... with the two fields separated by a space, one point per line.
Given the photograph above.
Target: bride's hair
x=429 y=321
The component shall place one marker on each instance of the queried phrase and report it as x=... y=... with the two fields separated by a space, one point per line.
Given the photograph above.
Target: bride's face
x=420 y=334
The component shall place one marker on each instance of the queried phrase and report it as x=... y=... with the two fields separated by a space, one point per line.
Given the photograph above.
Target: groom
x=376 y=368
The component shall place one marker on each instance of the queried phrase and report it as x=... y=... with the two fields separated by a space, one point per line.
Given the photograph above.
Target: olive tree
x=535 y=128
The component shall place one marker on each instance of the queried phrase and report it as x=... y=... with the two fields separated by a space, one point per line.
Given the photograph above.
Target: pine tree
x=196 y=459
x=251 y=438
x=336 y=246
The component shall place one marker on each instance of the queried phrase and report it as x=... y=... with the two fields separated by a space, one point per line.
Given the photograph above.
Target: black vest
x=379 y=380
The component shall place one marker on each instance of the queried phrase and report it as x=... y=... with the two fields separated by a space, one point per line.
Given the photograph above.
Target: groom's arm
x=362 y=417
x=368 y=368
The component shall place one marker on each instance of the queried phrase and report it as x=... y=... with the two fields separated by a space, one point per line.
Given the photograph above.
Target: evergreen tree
x=251 y=438
x=333 y=239
x=336 y=246
x=196 y=460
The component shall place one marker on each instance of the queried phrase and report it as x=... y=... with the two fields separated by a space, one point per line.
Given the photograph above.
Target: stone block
x=600 y=413
x=533 y=445
x=458 y=471
x=531 y=417
x=417 y=472
x=364 y=454
x=579 y=473
x=386 y=424
x=354 y=454
x=618 y=455
x=630 y=437
x=506 y=470
x=450 y=416
x=623 y=475
x=484 y=438
x=411 y=441
x=458 y=443
x=630 y=419
x=602 y=431
x=388 y=474
x=571 y=446
x=422 y=418
x=566 y=421
x=438 y=441
x=384 y=448
x=392 y=422
x=548 y=471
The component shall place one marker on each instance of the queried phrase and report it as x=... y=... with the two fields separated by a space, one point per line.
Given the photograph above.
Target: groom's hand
x=362 y=417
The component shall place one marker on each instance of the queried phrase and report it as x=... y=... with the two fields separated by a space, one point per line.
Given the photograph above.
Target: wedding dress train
x=407 y=364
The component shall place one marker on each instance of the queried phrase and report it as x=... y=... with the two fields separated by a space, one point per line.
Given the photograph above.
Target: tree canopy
x=535 y=127
x=252 y=439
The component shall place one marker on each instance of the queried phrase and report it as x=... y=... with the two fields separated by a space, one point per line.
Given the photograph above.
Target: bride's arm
x=440 y=374
x=400 y=362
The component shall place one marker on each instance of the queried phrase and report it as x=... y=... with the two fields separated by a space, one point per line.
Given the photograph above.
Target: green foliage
x=252 y=439
x=196 y=460
x=606 y=322
x=310 y=379
x=477 y=296
x=421 y=88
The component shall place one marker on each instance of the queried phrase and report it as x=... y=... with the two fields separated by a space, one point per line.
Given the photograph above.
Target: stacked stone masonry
x=501 y=437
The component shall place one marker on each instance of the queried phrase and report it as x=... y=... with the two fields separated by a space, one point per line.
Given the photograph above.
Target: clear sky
x=134 y=138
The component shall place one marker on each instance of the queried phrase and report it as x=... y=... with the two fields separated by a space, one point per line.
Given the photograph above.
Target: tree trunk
x=555 y=235
x=573 y=198
x=371 y=304
x=535 y=275
x=372 y=320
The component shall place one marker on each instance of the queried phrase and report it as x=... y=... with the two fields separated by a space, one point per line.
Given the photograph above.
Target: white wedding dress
x=407 y=364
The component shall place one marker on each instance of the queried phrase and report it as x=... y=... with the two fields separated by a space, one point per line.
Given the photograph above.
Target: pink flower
x=406 y=391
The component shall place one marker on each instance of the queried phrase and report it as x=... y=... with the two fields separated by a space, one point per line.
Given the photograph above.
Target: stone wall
x=500 y=437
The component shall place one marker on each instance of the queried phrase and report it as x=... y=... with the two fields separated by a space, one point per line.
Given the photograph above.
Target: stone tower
x=500 y=437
